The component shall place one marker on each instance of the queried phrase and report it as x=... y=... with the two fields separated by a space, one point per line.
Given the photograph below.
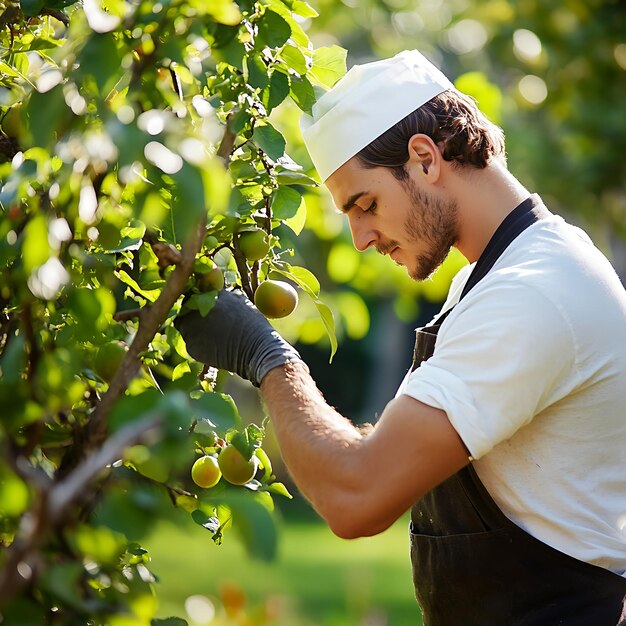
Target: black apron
x=472 y=566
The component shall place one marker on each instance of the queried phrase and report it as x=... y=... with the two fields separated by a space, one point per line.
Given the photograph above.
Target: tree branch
x=57 y=14
x=130 y=314
x=53 y=503
x=73 y=486
x=151 y=320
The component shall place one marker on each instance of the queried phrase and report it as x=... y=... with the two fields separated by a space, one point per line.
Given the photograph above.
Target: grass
x=317 y=579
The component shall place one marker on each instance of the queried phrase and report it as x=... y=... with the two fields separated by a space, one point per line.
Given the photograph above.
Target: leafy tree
x=137 y=154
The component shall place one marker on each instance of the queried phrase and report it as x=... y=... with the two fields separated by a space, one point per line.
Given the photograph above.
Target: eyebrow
x=351 y=201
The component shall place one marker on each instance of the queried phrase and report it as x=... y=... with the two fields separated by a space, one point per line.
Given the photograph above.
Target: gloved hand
x=235 y=336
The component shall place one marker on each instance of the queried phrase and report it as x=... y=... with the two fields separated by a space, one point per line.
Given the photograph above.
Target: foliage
x=136 y=148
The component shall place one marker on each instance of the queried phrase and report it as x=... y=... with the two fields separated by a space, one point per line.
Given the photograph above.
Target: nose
x=364 y=235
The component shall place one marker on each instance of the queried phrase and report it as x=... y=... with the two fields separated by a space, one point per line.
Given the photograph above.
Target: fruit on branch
x=275 y=298
x=254 y=244
x=108 y=359
x=213 y=280
x=235 y=468
x=206 y=472
x=12 y=122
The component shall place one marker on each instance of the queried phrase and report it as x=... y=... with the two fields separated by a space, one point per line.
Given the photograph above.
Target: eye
x=372 y=207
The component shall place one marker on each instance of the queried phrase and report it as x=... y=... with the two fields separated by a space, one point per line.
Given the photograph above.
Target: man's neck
x=485 y=198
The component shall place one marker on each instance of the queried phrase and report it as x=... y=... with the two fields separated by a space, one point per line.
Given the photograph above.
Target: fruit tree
x=141 y=171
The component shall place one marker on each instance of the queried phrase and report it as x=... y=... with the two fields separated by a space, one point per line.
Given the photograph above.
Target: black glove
x=235 y=336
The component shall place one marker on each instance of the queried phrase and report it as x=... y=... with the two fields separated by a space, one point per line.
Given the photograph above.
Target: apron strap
x=516 y=222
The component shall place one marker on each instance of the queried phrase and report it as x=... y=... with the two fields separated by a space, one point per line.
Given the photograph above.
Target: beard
x=434 y=222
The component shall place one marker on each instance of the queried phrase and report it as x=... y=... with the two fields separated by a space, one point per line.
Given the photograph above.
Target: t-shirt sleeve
x=503 y=355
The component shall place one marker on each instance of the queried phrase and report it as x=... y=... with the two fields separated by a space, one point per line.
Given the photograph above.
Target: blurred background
x=552 y=74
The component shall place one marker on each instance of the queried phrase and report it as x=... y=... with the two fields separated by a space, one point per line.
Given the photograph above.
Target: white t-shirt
x=530 y=368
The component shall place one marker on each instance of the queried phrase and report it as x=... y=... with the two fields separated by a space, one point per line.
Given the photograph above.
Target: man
x=508 y=436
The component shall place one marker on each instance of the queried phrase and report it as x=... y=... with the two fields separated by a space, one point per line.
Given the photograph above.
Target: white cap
x=365 y=103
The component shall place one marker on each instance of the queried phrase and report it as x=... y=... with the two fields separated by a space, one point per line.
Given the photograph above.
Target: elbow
x=345 y=529
x=354 y=521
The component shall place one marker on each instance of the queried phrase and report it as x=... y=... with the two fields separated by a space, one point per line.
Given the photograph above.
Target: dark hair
x=452 y=119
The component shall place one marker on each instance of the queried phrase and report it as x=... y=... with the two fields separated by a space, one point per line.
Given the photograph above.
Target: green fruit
x=213 y=280
x=235 y=468
x=109 y=358
x=205 y=472
x=254 y=244
x=12 y=121
x=275 y=298
x=210 y=243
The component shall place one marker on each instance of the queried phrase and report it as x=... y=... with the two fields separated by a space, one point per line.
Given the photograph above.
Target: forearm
x=320 y=447
x=360 y=484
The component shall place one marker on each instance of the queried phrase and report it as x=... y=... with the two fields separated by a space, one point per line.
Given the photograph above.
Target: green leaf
x=218 y=408
x=35 y=249
x=294 y=58
x=301 y=8
x=13 y=359
x=169 y=621
x=285 y=203
x=302 y=276
x=303 y=94
x=131 y=408
x=129 y=512
x=150 y=295
x=329 y=323
x=61 y=581
x=100 y=59
x=224 y=11
x=277 y=90
x=188 y=202
x=86 y=309
x=297 y=34
x=255 y=525
x=100 y=544
x=279 y=489
x=48 y=116
x=37 y=43
x=269 y=140
x=248 y=440
x=297 y=222
x=202 y=302
x=180 y=370
x=287 y=177
x=14 y=494
x=31 y=8
x=273 y=31
x=329 y=65
x=257 y=76
x=19 y=610
x=211 y=523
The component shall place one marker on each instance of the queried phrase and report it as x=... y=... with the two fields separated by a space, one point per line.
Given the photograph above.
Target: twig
x=242 y=266
x=254 y=276
x=130 y=314
x=31 y=340
x=166 y=253
x=228 y=141
x=59 y=15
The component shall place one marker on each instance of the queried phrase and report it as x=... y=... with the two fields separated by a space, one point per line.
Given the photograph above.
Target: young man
x=507 y=437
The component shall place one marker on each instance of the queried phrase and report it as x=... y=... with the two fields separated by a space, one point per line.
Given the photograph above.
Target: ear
x=425 y=160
